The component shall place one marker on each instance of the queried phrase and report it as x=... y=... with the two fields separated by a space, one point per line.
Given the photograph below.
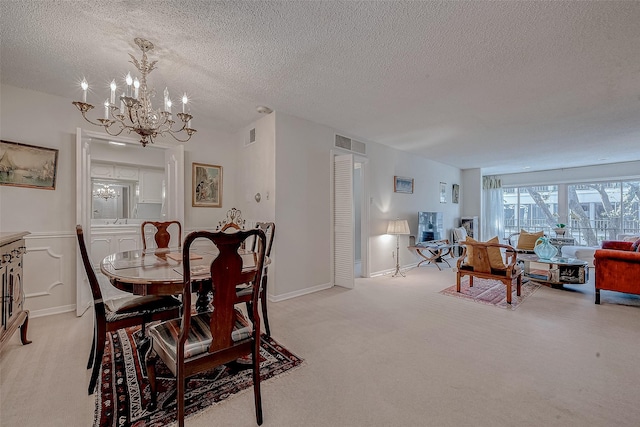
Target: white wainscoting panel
x=49 y=273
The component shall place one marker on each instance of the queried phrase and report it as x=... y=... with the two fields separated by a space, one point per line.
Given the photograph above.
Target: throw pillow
x=470 y=250
x=636 y=246
x=527 y=241
x=495 y=255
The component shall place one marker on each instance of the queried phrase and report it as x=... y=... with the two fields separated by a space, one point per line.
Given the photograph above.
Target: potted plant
x=560 y=229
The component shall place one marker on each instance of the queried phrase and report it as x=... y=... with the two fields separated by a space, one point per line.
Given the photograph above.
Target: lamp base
x=398 y=272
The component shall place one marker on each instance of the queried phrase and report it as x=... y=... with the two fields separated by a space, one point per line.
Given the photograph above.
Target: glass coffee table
x=555 y=271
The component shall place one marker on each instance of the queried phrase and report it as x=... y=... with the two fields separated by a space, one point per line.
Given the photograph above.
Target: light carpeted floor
x=391 y=352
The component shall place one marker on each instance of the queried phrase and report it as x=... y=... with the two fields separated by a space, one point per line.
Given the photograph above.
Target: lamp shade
x=398 y=226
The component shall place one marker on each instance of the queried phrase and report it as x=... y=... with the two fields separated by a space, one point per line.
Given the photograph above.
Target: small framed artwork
x=23 y=165
x=443 y=192
x=206 y=190
x=455 y=193
x=402 y=184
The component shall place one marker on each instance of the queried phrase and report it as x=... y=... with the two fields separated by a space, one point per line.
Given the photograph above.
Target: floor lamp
x=398 y=227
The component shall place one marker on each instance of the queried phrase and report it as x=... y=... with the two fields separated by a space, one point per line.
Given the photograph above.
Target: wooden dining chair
x=115 y=309
x=202 y=341
x=233 y=221
x=162 y=235
x=244 y=293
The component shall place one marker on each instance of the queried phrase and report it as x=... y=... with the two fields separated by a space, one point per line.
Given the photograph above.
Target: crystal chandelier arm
x=189 y=133
x=140 y=116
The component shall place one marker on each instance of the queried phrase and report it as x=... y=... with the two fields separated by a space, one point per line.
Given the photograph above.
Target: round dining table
x=160 y=271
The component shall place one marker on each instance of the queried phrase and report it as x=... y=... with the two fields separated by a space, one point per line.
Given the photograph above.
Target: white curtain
x=492 y=206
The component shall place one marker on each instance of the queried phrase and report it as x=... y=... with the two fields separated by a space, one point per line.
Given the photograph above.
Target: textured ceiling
x=492 y=85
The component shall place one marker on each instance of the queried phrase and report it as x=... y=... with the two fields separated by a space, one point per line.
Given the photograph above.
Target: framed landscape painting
x=206 y=186
x=23 y=165
x=402 y=184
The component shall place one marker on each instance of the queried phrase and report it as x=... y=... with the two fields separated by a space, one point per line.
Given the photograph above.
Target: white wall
x=255 y=171
x=303 y=216
x=211 y=147
x=384 y=164
x=49 y=121
x=302 y=209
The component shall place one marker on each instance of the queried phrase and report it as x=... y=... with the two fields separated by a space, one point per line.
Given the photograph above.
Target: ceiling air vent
x=350 y=144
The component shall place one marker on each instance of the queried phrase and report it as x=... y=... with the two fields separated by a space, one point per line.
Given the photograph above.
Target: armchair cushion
x=470 y=251
x=527 y=241
x=495 y=256
x=617 y=245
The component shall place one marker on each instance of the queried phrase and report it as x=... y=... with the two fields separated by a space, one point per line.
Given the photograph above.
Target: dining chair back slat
x=162 y=234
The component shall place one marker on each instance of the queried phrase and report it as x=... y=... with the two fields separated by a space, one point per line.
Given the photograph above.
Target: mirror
x=127 y=182
x=111 y=200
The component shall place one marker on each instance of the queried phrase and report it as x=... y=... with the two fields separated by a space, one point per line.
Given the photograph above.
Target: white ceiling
x=492 y=85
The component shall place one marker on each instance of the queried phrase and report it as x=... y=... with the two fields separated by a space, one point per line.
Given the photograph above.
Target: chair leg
x=597 y=296
x=181 y=384
x=92 y=353
x=519 y=286
x=263 y=298
x=101 y=336
x=458 y=277
x=151 y=374
x=256 y=380
x=508 y=283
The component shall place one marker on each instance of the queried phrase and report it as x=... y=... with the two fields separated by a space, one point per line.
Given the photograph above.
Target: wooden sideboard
x=14 y=316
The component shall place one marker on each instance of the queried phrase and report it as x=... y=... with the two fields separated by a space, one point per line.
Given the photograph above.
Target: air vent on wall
x=350 y=144
x=252 y=137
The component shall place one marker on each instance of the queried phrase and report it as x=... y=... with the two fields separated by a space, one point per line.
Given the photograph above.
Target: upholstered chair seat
x=165 y=336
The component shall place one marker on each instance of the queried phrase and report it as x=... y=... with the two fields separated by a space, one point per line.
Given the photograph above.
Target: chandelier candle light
x=135 y=112
x=398 y=227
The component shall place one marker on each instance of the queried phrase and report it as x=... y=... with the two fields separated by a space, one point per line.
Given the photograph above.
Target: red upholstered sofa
x=617 y=268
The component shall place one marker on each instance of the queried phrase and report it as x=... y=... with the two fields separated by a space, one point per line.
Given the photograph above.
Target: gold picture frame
x=206 y=185
x=402 y=184
x=23 y=165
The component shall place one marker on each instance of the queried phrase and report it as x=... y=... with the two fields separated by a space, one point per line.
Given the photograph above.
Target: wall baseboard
x=300 y=292
x=51 y=311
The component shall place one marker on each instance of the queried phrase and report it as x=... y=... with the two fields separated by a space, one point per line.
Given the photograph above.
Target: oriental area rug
x=123 y=389
x=492 y=292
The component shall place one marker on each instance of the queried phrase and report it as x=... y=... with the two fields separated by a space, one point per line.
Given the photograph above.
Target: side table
x=434 y=252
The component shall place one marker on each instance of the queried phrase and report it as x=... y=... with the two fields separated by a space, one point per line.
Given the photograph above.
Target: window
x=530 y=208
x=592 y=211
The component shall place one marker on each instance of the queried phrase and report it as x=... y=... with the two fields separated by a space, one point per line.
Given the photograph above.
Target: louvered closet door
x=343 y=222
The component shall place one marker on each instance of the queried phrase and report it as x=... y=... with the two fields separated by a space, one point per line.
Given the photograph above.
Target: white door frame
x=174 y=180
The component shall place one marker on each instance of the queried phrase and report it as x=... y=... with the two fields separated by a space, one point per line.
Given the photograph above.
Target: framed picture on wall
x=402 y=184
x=23 y=165
x=206 y=190
x=443 y=192
x=455 y=193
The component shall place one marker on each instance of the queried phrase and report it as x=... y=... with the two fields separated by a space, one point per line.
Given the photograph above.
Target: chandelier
x=135 y=113
x=105 y=192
